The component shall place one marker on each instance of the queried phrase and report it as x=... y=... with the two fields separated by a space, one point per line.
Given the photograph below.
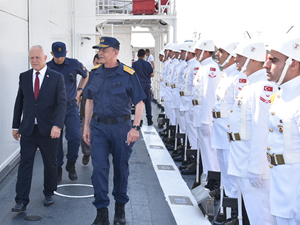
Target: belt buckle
x=237 y=136
x=193 y=101
x=109 y=121
x=230 y=136
x=181 y=93
x=172 y=85
x=196 y=102
x=218 y=114
x=214 y=115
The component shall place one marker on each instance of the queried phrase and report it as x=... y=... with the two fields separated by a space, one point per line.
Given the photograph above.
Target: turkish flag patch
x=268 y=88
x=242 y=81
x=196 y=68
x=212 y=69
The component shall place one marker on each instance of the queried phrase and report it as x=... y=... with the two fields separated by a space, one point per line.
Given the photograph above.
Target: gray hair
x=38 y=47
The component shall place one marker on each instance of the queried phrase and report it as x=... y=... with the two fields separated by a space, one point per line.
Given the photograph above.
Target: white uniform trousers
x=208 y=154
x=190 y=129
x=180 y=120
x=285 y=221
x=169 y=112
x=229 y=181
x=257 y=201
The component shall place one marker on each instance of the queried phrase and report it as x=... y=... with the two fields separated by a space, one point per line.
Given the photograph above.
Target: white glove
x=205 y=130
x=297 y=208
x=255 y=179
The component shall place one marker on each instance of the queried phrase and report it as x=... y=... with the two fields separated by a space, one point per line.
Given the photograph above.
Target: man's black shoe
x=179 y=158
x=48 y=200
x=150 y=122
x=85 y=159
x=119 y=218
x=191 y=169
x=102 y=217
x=70 y=167
x=19 y=207
x=59 y=174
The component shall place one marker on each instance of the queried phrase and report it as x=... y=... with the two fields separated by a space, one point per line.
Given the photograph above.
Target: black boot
x=149 y=121
x=119 y=218
x=59 y=174
x=102 y=217
x=70 y=167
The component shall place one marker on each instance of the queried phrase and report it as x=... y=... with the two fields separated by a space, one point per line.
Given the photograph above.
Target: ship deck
x=158 y=195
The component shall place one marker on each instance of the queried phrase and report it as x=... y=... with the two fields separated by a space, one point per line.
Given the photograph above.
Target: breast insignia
x=129 y=70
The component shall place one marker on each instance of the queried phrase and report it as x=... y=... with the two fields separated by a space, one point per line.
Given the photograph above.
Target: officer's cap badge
x=102 y=40
x=59 y=49
x=296 y=46
x=252 y=49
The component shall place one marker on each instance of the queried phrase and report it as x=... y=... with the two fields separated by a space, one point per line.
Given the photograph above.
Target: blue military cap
x=106 y=42
x=59 y=49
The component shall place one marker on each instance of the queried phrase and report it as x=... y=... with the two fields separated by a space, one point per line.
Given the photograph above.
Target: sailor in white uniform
x=167 y=76
x=163 y=89
x=231 y=84
x=204 y=89
x=185 y=91
x=176 y=79
x=248 y=133
x=283 y=67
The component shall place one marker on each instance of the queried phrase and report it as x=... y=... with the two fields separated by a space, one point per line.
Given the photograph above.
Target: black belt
x=72 y=101
x=110 y=120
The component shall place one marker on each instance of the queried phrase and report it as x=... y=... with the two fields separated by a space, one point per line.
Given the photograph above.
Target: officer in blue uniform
x=69 y=68
x=144 y=72
x=110 y=91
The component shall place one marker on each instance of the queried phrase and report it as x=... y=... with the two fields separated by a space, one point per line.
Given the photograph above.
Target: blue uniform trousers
x=72 y=123
x=106 y=137
x=147 y=89
x=48 y=148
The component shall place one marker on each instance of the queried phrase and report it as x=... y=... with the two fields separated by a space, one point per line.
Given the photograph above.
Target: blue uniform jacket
x=143 y=70
x=70 y=68
x=113 y=95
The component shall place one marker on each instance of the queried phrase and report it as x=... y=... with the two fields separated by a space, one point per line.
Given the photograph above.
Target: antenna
x=290 y=29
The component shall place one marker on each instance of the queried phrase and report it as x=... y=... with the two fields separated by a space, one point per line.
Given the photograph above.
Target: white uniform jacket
x=231 y=84
x=176 y=80
x=163 y=78
x=204 y=90
x=186 y=86
x=284 y=138
x=249 y=123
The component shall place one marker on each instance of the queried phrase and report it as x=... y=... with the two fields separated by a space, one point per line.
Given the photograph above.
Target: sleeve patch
x=83 y=67
x=268 y=88
x=128 y=70
x=242 y=80
x=212 y=69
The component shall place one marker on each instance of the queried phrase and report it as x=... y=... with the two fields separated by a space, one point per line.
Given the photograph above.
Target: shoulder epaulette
x=129 y=70
x=273 y=97
x=96 y=67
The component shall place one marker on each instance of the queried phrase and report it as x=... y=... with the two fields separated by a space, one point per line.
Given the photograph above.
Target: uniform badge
x=280 y=128
x=268 y=88
x=102 y=40
x=280 y=121
x=83 y=67
x=240 y=102
x=296 y=46
x=59 y=49
x=242 y=81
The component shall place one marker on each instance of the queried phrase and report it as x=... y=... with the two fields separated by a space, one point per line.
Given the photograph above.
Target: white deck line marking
x=171 y=182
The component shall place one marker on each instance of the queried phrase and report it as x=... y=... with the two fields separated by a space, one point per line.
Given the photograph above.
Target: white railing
x=126 y=6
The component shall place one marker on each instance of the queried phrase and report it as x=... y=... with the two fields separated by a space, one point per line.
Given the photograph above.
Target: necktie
x=36 y=85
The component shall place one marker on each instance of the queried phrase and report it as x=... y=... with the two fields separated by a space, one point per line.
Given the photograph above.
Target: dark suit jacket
x=49 y=108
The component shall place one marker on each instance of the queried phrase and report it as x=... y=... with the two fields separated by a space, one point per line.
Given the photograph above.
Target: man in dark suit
x=38 y=118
